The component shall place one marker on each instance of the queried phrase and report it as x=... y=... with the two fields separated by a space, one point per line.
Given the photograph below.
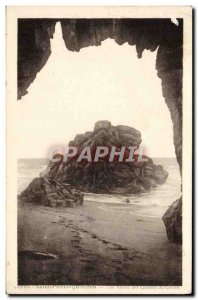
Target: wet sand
x=95 y=244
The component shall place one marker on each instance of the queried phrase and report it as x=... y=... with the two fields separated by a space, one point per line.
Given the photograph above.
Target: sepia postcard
x=99 y=150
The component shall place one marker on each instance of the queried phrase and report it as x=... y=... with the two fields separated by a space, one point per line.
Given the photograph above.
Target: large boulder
x=104 y=176
x=51 y=193
x=173 y=221
x=102 y=125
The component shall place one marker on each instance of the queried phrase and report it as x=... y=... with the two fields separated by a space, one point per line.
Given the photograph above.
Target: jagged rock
x=104 y=176
x=51 y=193
x=102 y=125
x=173 y=221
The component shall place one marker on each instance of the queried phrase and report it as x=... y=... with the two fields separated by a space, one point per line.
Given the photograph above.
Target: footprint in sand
x=76 y=239
x=70 y=221
x=76 y=246
x=115 y=260
x=118 y=247
x=104 y=242
x=90 y=219
x=94 y=236
x=84 y=231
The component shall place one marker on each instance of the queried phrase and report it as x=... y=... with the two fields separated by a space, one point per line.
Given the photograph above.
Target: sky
x=76 y=89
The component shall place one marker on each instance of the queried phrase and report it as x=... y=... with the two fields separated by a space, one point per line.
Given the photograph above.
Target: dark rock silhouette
x=51 y=193
x=104 y=176
x=173 y=221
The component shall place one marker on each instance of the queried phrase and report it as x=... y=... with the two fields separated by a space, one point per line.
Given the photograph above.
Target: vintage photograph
x=100 y=106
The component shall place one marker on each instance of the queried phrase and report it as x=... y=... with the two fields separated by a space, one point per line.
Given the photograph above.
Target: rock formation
x=104 y=176
x=51 y=193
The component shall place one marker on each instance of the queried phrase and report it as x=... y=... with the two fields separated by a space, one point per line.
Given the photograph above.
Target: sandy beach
x=94 y=244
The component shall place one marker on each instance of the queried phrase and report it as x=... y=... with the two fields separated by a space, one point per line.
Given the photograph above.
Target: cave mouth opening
x=145 y=34
x=71 y=87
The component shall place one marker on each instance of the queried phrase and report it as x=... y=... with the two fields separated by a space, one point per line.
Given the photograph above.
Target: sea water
x=150 y=204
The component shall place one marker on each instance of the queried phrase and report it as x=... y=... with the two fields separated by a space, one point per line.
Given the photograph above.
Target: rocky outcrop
x=173 y=221
x=51 y=193
x=104 y=176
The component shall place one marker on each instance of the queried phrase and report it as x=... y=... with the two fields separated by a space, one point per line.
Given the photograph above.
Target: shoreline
x=95 y=246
